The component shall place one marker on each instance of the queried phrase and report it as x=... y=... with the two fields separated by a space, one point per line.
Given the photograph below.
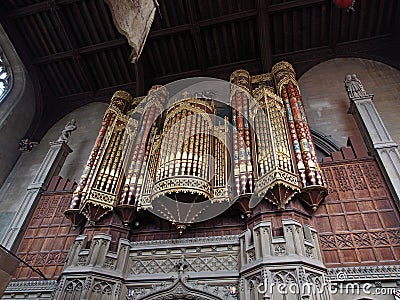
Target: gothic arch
x=304 y=68
x=73 y=290
x=180 y=290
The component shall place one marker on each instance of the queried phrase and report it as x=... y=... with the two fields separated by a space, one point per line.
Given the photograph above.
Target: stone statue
x=354 y=87
x=66 y=133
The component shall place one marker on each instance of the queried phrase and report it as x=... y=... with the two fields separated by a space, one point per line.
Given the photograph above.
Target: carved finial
x=354 y=87
x=181 y=228
x=181 y=265
x=66 y=133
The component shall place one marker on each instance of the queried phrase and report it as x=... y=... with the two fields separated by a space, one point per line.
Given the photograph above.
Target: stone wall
x=326 y=102
x=207 y=267
x=89 y=118
x=16 y=109
x=192 y=268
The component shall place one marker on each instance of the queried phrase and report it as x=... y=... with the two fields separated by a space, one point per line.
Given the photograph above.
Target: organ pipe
x=190 y=149
x=313 y=189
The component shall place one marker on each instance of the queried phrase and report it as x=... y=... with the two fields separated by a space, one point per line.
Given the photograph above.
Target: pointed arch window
x=5 y=76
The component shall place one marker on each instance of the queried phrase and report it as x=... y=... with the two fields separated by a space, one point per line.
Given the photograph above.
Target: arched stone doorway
x=180 y=290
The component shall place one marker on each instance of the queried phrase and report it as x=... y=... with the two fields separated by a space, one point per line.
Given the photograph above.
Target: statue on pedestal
x=354 y=87
x=66 y=133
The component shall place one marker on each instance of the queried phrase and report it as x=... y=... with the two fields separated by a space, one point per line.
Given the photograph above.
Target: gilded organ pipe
x=243 y=169
x=318 y=172
x=101 y=180
x=313 y=189
x=187 y=152
x=197 y=143
x=92 y=161
x=140 y=181
x=236 y=162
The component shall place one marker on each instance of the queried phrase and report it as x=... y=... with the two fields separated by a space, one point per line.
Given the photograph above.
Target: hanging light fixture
x=345 y=4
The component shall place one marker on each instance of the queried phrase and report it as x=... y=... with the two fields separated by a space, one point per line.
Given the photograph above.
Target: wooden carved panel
x=47 y=238
x=358 y=223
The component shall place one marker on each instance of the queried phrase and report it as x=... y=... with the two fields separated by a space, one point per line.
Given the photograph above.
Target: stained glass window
x=4 y=77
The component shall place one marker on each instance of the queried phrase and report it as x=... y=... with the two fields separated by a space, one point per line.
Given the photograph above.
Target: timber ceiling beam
x=196 y=35
x=102 y=95
x=169 y=31
x=239 y=16
x=204 y=23
x=37 y=8
x=304 y=59
x=263 y=24
x=251 y=65
x=334 y=26
x=108 y=45
x=293 y=5
x=82 y=67
x=83 y=50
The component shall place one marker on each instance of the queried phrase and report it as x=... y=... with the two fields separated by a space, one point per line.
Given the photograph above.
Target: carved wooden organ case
x=152 y=153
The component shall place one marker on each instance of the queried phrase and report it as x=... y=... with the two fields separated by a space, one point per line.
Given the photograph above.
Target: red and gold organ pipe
x=243 y=166
x=192 y=150
x=308 y=167
x=277 y=178
x=100 y=183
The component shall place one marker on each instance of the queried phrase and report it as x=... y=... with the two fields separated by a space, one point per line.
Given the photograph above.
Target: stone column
x=50 y=167
x=377 y=138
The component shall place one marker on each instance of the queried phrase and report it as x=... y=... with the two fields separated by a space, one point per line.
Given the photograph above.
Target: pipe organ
x=181 y=158
x=184 y=160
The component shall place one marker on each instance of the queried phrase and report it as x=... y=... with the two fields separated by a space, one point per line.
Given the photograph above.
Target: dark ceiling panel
x=9 y=4
x=80 y=55
x=97 y=70
x=301 y=29
x=33 y=43
x=53 y=84
x=127 y=70
x=79 y=16
x=109 y=68
x=166 y=51
x=58 y=72
x=173 y=13
x=247 y=40
x=211 y=9
x=14 y=4
x=105 y=16
x=277 y=37
x=77 y=80
x=63 y=77
x=230 y=42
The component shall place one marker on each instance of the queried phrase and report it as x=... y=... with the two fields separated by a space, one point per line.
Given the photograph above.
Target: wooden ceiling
x=76 y=55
